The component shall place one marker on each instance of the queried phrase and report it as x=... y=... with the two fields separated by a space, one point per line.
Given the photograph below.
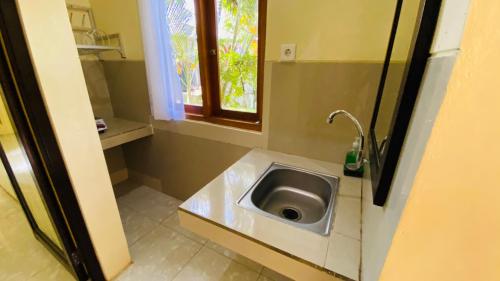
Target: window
x=219 y=53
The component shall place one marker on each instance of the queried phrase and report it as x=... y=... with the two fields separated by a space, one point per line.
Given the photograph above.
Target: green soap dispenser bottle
x=351 y=159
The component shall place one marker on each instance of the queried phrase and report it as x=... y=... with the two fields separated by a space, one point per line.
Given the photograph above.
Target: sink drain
x=290 y=213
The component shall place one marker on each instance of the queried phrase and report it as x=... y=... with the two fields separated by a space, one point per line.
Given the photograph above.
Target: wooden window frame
x=211 y=111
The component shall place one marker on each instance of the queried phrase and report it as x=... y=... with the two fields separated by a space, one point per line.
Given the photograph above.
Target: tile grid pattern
x=162 y=250
x=347 y=230
x=22 y=256
x=337 y=252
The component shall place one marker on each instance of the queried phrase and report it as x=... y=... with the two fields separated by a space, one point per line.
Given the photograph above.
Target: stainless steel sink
x=295 y=196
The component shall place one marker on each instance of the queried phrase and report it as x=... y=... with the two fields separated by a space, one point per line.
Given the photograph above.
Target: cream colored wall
x=182 y=164
x=354 y=30
x=380 y=223
x=449 y=228
x=84 y=3
x=63 y=88
x=331 y=30
x=120 y=16
x=320 y=36
x=303 y=94
x=336 y=30
x=406 y=27
x=97 y=89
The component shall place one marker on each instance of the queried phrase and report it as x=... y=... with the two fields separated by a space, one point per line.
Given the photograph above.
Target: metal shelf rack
x=90 y=40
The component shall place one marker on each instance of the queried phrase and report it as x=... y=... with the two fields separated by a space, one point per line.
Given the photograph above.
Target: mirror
x=397 y=65
x=407 y=53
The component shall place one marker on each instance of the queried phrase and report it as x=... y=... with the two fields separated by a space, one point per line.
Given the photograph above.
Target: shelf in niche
x=121 y=131
x=96 y=49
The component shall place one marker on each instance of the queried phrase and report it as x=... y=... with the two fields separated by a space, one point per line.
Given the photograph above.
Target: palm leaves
x=180 y=20
x=179 y=17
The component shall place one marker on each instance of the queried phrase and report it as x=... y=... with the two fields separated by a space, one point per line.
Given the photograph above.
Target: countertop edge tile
x=342 y=252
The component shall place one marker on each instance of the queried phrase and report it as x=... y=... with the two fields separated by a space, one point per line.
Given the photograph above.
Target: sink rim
x=323 y=226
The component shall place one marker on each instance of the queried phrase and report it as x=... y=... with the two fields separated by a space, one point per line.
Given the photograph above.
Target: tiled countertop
x=339 y=252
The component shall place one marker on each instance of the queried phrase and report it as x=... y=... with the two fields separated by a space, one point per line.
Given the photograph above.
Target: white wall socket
x=287 y=52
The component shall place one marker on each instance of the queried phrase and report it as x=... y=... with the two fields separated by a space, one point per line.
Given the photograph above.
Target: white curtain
x=163 y=82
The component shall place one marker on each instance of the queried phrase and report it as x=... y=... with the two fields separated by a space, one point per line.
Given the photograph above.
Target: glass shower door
x=27 y=186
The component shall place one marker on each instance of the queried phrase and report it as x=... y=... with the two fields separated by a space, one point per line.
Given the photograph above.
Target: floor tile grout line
x=51 y=260
x=170 y=199
x=346 y=235
x=183 y=235
x=161 y=223
x=233 y=260
x=167 y=217
x=187 y=262
x=202 y=244
x=167 y=228
x=140 y=212
x=350 y=196
x=142 y=236
x=178 y=232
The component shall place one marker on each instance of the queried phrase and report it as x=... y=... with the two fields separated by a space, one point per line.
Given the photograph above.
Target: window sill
x=226 y=122
x=218 y=132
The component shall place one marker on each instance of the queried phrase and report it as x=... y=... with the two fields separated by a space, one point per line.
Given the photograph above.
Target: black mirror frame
x=383 y=166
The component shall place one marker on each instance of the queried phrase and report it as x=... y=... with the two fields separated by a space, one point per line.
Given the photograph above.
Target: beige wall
x=97 y=87
x=340 y=49
x=84 y=3
x=294 y=128
x=331 y=30
x=449 y=228
x=176 y=157
x=303 y=94
x=63 y=88
x=322 y=30
x=183 y=164
x=380 y=223
x=406 y=28
x=128 y=89
x=120 y=16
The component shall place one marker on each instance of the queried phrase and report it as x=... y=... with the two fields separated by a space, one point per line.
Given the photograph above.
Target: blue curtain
x=163 y=82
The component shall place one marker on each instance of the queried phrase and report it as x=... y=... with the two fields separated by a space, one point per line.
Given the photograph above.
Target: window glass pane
x=182 y=22
x=237 y=31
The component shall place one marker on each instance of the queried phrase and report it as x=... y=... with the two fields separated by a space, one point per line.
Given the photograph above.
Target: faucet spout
x=359 y=159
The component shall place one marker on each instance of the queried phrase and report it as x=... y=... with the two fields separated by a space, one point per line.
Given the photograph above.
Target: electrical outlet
x=287 y=52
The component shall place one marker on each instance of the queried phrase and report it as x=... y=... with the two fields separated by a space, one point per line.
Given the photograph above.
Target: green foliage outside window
x=237 y=22
x=181 y=20
x=237 y=30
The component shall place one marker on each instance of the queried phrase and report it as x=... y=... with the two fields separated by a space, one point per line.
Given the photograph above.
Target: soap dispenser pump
x=351 y=158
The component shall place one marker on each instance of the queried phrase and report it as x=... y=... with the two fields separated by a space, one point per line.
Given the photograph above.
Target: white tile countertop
x=339 y=252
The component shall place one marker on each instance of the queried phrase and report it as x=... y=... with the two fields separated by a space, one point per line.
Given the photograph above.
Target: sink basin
x=294 y=196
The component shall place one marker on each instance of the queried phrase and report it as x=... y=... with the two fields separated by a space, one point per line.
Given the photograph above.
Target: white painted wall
x=380 y=223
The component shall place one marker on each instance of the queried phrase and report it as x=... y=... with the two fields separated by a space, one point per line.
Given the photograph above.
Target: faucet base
x=354 y=173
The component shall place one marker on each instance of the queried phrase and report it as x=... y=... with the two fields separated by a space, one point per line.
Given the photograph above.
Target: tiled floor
x=22 y=257
x=162 y=250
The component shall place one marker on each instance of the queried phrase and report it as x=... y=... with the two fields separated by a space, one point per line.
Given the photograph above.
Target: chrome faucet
x=359 y=157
